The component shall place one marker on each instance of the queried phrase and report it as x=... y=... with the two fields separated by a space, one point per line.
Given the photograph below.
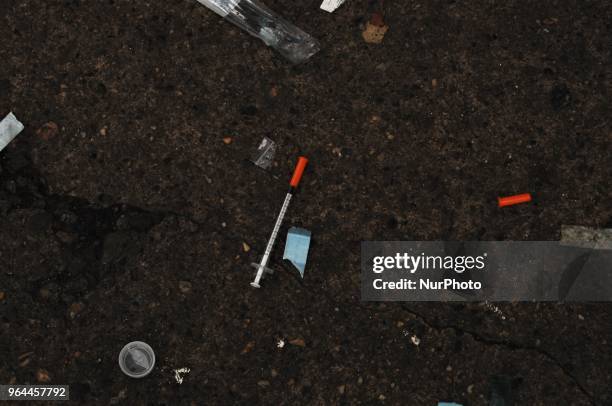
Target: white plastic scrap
x=179 y=374
x=221 y=7
x=415 y=340
x=264 y=156
x=9 y=128
x=280 y=343
x=331 y=5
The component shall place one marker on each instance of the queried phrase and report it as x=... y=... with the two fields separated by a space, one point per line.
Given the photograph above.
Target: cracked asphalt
x=126 y=203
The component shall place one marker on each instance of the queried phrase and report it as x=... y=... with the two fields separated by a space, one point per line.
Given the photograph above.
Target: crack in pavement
x=510 y=345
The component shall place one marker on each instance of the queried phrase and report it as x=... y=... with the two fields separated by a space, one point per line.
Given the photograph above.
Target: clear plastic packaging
x=263 y=23
x=264 y=156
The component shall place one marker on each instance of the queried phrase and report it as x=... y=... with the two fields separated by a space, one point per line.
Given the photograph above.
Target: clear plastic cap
x=137 y=359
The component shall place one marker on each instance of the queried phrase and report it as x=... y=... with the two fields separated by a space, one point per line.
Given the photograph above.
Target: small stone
x=48 y=131
x=75 y=309
x=246 y=247
x=249 y=347
x=359 y=380
x=263 y=383
x=184 y=286
x=374 y=34
x=42 y=375
x=341 y=389
x=2 y=295
x=434 y=83
x=399 y=324
x=227 y=140
x=298 y=342
x=470 y=388
x=580 y=316
x=382 y=397
x=103 y=131
x=449 y=368
x=274 y=91
x=24 y=359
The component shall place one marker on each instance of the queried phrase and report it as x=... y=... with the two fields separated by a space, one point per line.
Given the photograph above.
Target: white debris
x=331 y=5
x=280 y=343
x=179 y=374
x=9 y=128
x=586 y=237
x=415 y=340
x=264 y=156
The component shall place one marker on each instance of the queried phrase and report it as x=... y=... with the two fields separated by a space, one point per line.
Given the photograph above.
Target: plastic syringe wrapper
x=263 y=23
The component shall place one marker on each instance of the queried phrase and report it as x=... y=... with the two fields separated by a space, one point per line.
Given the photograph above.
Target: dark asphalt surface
x=129 y=221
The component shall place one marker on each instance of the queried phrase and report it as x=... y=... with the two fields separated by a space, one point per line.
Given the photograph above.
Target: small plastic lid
x=137 y=359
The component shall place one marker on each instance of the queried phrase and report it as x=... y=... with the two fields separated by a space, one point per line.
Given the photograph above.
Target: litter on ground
x=331 y=5
x=586 y=237
x=296 y=248
x=261 y=22
x=179 y=374
x=264 y=156
x=293 y=184
x=10 y=127
x=512 y=200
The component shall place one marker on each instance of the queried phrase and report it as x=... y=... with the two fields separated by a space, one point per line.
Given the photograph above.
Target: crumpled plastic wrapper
x=10 y=127
x=263 y=23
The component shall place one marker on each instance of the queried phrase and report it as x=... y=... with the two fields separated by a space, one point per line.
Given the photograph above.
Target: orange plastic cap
x=512 y=200
x=298 y=172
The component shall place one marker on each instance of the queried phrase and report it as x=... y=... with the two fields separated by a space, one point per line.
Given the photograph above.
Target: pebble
x=103 y=131
x=2 y=295
x=341 y=389
x=374 y=34
x=470 y=388
x=274 y=373
x=48 y=131
x=185 y=286
x=263 y=383
x=24 y=359
x=246 y=247
x=249 y=347
x=298 y=342
x=75 y=309
x=382 y=397
x=227 y=140
x=42 y=375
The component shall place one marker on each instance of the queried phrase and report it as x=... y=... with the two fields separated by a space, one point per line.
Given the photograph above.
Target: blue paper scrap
x=296 y=247
x=448 y=404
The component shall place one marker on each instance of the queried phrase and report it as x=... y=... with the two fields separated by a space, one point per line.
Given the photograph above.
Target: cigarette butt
x=512 y=200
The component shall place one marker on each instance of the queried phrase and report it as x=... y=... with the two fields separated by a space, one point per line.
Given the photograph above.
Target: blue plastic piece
x=448 y=404
x=296 y=248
